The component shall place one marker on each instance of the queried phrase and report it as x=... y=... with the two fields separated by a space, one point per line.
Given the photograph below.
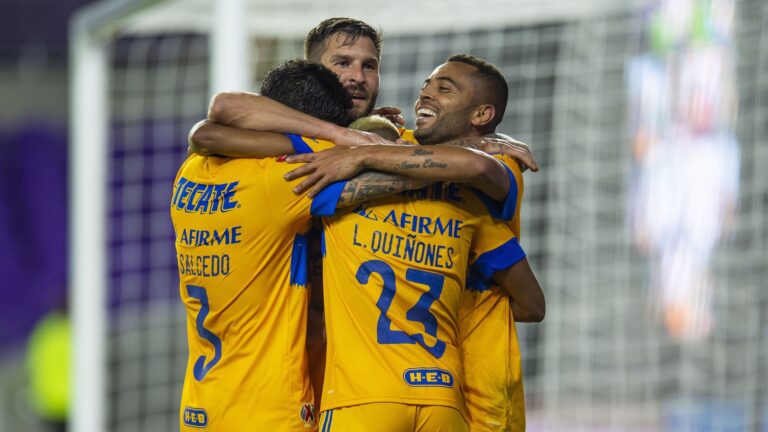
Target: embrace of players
x=411 y=326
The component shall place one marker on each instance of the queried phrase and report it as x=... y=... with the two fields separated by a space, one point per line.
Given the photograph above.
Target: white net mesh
x=607 y=357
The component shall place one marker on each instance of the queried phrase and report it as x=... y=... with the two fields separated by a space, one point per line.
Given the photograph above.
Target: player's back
x=242 y=266
x=394 y=273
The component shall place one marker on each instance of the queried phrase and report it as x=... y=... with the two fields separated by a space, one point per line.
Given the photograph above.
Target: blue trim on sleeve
x=324 y=203
x=300 y=260
x=502 y=257
x=503 y=211
x=299 y=146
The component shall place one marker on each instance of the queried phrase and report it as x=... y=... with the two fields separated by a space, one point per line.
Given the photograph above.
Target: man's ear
x=483 y=115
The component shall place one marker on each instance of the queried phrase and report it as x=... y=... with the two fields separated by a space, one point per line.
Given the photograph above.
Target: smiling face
x=446 y=104
x=357 y=65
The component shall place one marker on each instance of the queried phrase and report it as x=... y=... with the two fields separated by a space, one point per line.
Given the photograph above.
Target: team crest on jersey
x=308 y=415
x=428 y=377
x=195 y=417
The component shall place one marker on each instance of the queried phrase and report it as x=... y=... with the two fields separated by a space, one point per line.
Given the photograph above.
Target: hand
x=511 y=147
x=353 y=138
x=390 y=113
x=325 y=167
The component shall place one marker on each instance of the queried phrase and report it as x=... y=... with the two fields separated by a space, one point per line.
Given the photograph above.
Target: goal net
x=646 y=224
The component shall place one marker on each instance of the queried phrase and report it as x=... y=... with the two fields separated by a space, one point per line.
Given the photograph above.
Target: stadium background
x=602 y=360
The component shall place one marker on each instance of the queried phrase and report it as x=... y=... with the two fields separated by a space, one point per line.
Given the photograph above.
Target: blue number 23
x=418 y=313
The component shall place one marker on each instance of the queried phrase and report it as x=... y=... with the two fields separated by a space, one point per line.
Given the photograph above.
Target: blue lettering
x=236 y=234
x=405 y=218
x=179 y=187
x=456 y=228
x=450 y=258
x=229 y=204
x=397 y=248
x=203 y=238
x=375 y=241
x=204 y=265
x=430 y=255
x=195 y=417
x=424 y=223
x=423 y=377
x=218 y=190
x=202 y=203
x=223 y=237
x=391 y=217
x=199 y=187
x=184 y=193
x=354 y=237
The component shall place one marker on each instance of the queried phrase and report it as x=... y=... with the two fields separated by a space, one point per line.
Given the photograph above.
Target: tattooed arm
x=372 y=185
x=430 y=163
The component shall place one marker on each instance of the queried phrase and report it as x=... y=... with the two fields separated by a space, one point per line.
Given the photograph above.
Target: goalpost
x=142 y=72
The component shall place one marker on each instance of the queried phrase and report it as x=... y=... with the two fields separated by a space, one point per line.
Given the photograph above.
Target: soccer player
x=241 y=248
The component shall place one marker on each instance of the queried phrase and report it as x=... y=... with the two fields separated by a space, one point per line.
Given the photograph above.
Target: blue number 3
x=201 y=369
x=418 y=313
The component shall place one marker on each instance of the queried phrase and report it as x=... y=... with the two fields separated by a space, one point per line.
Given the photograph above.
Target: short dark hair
x=491 y=84
x=314 y=44
x=310 y=88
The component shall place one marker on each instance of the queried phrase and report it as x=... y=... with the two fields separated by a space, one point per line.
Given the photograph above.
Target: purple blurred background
x=33 y=169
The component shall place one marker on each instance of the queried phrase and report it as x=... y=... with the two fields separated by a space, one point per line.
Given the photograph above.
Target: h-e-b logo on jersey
x=193 y=197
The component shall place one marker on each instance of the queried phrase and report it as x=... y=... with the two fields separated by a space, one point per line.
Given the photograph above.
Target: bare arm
x=528 y=304
x=256 y=112
x=372 y=185
x=207 y=138
x=429 y=163
x=260 y=113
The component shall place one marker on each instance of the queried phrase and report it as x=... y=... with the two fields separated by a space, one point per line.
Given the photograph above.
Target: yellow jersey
x=394 y=272
x=241 y=250
x=490 y=351
x=489 y=345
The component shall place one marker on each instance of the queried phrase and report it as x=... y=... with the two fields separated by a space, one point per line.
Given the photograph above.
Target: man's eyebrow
x=449 y=80
x=351 y=58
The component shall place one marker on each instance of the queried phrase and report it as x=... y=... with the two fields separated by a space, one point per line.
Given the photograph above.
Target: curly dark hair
x=310 y=88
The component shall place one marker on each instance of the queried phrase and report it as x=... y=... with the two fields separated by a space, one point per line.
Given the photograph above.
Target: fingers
x=392 y=114
x=307 y=183
x=299 y=172
x=320 y=185
x=387 y=110
x=301 y=158
x=398 y=120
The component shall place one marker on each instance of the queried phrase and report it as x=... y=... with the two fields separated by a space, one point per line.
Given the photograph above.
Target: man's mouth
x=425 y=112
x=423 y=115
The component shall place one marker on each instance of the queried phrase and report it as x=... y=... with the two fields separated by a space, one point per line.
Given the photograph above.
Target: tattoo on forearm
x=429 y=163
x=407 y=166
x=371 y=185
x=422 y=152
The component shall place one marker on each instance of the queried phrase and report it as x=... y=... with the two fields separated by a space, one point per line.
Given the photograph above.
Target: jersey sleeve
x=506 y=209
x=293 y=206
x=495 y=247
x=303 y=144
